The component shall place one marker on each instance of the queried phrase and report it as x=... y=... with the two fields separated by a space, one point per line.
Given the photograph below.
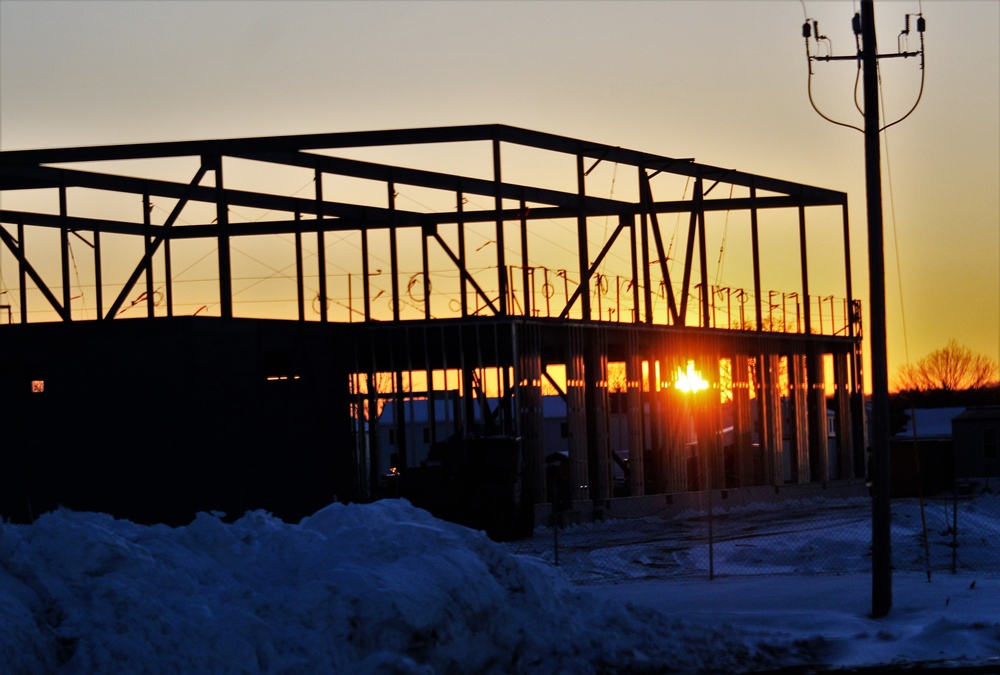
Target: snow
x=387 y=588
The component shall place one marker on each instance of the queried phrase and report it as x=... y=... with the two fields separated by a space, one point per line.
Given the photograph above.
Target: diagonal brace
x=593 y=268
x=19 y=254
x=647 y=198
x=465 y=274
x=147 y=257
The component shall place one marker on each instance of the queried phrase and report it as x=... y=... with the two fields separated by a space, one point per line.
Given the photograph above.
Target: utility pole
x=881 y=508
x=868 y=56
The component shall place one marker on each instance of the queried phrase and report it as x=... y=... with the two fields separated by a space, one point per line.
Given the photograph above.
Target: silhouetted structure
x=486 y=290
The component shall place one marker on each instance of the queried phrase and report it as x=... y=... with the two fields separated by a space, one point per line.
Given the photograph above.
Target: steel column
x=755 y=248
x=644 y=243
x=525 y=268
x=703 y=258
x=98 y=278
x=501 y=252
x=460 y=260
x=393 y=254
x=22 y=268
x=819 y=455
x=742 y=424
x=798 y=401
x=581 y=239
x=148 y=257
x=64 y=256
x=366 y=274
x=222 y=218
x=324 y=311
x=576 y=415
x=634 y=411
x=300 y=292
x=597 y=411
x=773 y=425
x=803 y=259
x=531 y=411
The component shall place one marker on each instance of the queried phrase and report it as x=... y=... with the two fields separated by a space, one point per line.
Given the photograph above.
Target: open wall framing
x=462 y=301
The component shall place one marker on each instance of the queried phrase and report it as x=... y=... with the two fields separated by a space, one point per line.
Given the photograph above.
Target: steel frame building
x=488 y=329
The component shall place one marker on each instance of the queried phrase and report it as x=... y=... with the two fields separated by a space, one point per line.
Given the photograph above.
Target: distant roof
x=930 y=422
x=980 y=412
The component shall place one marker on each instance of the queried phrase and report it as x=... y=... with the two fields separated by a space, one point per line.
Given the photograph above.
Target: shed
x=922 y=458
x=976 y=437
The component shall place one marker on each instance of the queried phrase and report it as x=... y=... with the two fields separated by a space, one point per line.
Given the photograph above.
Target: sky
x=723 y=82
x=387 y=588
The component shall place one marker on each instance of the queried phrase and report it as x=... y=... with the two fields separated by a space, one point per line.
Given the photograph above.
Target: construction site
x=493 y=322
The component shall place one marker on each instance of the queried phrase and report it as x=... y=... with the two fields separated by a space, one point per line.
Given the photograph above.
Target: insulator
x=906 y=28
x=816 y=28
x=856 y=23
x=806 y=30
x=921 y=24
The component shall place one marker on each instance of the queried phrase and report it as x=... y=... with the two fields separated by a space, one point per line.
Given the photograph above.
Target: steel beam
x=429 y=179
x=489 y=132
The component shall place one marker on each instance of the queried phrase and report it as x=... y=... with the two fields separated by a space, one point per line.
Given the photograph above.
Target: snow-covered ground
x=797 y=536
x=387 y=588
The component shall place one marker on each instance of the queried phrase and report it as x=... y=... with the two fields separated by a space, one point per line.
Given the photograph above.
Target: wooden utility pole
x=881 y=508
x=867 y=55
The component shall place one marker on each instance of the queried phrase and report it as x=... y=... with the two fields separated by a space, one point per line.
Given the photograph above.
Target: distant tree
x=951 y=368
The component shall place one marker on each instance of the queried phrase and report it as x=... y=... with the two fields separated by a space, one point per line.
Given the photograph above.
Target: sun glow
x=691 y=380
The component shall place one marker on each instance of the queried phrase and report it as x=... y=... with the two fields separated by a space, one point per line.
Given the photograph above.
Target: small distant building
x=976 y=438
x=923 y=453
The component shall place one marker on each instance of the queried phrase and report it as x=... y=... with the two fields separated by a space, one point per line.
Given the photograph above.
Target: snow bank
x=372 y=588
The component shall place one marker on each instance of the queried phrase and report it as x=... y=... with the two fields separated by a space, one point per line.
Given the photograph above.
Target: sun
x=691 y=380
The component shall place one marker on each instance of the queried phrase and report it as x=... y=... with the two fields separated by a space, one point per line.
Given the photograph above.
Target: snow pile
x=370 y=588
x=387 y=588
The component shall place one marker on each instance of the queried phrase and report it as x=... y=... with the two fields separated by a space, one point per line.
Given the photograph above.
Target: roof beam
x=472 y=133
x=209 y=195
x=427 y=179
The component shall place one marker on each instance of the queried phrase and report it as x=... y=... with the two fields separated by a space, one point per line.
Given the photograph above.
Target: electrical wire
x=76 y=272
x=677 y=227
x=722 y=247
x=857 y=79
x=902 y=310
x=895 y=237
x=812 y=101
x=920 y=94
x=611 y=196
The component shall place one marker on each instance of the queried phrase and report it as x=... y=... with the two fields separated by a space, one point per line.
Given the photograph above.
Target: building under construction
x=233 y=324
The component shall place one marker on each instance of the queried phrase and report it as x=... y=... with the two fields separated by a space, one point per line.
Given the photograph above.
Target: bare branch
x=954 y=367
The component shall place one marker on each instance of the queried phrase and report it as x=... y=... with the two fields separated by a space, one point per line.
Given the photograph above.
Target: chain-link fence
x=798 y=536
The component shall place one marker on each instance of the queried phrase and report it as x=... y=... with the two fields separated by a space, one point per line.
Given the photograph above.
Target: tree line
x=951 y=376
